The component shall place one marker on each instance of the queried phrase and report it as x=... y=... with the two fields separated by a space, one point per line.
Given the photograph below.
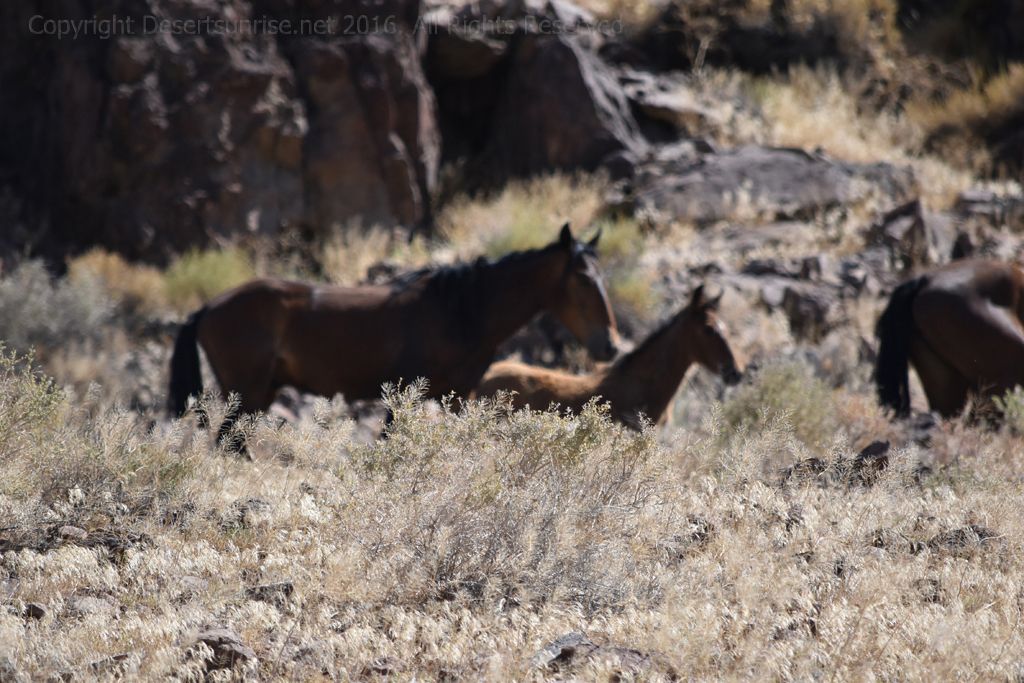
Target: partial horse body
x=443 y=325
x=961 y=326
x=641 y=382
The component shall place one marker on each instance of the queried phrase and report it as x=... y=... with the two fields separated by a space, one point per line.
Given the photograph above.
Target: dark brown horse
x=961 y=328
x=641 y=382
x=443 y=325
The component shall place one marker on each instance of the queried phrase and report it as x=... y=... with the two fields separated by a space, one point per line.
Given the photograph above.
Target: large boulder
x=521 y=90
x=766 y=182
x=153 y=141
x=373 y=149
x=667 y=106
x=562 y=108
x=914 y=236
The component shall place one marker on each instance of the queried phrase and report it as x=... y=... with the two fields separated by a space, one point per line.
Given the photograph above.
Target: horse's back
x=260 y=290
x=279 y=293
x=252 y=310
x=972 y=290
x=968 y=313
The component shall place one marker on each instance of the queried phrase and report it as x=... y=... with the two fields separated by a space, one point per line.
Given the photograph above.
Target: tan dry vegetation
x=525 y=214
x=817 y=108
x=631 y=13
x=470 y=538
x=136 y=285
x=462 y=544
x=999 y=98
x=346 y=257
x=958 y=125
x=189 y=281
x=860 y=24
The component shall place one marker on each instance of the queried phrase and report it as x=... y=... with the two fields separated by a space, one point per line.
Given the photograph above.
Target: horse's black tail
x=186 y=377
x=894 y=331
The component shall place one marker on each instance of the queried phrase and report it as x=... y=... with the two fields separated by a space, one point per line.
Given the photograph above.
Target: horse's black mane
x=462 y=288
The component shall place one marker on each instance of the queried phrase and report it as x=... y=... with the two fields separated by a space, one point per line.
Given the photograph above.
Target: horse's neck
x=518 y=290
x=647 y=378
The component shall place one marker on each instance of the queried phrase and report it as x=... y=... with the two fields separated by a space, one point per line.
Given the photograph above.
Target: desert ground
x=786 y=528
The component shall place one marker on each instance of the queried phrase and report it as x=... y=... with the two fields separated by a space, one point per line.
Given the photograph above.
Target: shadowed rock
x=771 y=182
x=965 y=541
x=561 y=109
x=914 y=237
x=150 y=143
x=227 y=647
x=575 y=649
x=33 y=610
x=273 y=593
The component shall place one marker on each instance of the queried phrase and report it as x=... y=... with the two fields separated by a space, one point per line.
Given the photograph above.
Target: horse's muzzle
x=731 y=376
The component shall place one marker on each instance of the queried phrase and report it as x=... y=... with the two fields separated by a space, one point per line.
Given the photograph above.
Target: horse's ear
x=697 y=298
x=565 y=236
x=592 y=244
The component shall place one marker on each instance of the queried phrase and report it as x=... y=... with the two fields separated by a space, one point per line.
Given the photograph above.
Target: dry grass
x=960 y=123
x=784 y=392
x=859 y=24
x=348 y=256
x=42 y=312
x=467 y=540
x=816 y=108
x=997 y=99
x=630 y=286
x=135 y=285
x=629 y=13
x=460 y=545
x=524 y=215
x=191 y=280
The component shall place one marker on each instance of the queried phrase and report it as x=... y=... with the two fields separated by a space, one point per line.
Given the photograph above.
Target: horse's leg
x=252 y=376
x=256 y=395
x=943 y=384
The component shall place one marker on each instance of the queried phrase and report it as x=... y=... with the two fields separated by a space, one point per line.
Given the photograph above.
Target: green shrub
x=630 y=286
x=524 y=215
x=200 y=275
x=28 y=403
x=788 y=391
x=1011 y=405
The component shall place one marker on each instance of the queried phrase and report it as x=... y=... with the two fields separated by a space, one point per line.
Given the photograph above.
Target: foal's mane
x=624 y=361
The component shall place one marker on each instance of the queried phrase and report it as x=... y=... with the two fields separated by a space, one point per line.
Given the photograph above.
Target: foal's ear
x=592 y=244
x=565 y=236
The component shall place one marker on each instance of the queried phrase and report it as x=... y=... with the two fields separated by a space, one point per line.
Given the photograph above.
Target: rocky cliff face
x=164 y=135
x=154 y=141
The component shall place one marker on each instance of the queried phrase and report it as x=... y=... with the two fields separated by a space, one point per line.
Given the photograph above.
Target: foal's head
x=580 y=302
x=705 y=337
